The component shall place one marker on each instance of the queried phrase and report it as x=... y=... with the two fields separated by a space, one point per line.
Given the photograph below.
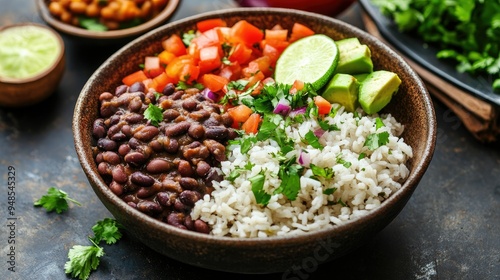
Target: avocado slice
x=343 y=89
x=354 y=57
x=376 y=91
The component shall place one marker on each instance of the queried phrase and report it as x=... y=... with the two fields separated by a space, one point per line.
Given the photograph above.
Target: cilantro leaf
x=375 y=140
x=82 y=260
x=55 y=199
x=379 y=123
x=187 y=37
x=108 y=230
x=290 y=180
x=261 y=197
x=154 y=114
x=329 y=191
x=326 y=172
x=313 y=140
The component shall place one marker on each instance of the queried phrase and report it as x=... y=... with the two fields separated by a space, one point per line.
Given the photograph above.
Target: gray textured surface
x=450 y=229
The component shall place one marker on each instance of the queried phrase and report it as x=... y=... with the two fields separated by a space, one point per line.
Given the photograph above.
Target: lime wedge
x=26 y=51
x=311 y=59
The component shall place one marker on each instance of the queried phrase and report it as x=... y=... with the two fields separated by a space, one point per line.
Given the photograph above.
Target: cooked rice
x=231 y=209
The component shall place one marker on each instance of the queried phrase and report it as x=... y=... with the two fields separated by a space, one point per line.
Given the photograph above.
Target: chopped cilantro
x=326 y=126
x=362 y=156
x=329 y=191
x=324 y=172
x=82 y=260
x=154 y=114
x=340 y=160
x=311 y=139
x=290 y=180
x=55 y=199
x=187 y=37
x=375 y=140
x=379 y=123
x=261 y=197
x=108 y=230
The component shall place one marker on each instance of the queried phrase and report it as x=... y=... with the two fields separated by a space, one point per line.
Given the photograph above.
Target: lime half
x=26 y=51
x=311 y=59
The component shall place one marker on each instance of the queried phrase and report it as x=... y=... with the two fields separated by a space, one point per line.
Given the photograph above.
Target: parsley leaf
x=261 y=197
x=55 y=199
x=108 y=230
x=154 y=114
x=375 y=140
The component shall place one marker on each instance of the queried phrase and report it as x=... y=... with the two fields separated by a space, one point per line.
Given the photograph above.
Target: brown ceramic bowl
x=111 y=36
x=20 y=92
x=412 y=106
x=325 y=7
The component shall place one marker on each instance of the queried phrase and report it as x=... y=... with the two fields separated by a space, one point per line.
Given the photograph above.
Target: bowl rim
x=164 y=15
x=47 y=71
x=407 y=187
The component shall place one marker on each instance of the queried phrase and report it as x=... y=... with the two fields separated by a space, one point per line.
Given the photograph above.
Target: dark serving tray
x=425 y=55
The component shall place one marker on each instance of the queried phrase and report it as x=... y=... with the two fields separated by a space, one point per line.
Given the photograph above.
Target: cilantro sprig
x=154 y=114
x=84 y=259
x=55 y=200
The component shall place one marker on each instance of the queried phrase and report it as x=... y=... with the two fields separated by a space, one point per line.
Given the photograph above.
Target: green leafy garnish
x=154 y=114
x=290 y=179
x=324 y=172
x=82 y=260
x=187 y=37
x=345 y=163
x=108 y=230
x=329 y=191
x=379 y=123
x=91 y=24
x=55 y=199
x=375 y=140
x=261 y=197
x=313 y=140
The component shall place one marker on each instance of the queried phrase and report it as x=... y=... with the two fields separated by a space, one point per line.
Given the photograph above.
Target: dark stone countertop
x=450 y=228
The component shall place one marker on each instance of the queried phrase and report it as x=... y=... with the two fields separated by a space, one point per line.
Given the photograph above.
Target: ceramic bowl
x=412 y=106
x=111 y=36
x=21 y=92
x=325 y=7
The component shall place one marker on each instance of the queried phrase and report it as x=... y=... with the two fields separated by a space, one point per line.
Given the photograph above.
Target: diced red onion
x=283 y=107
x=304 y=159
x=319 y=132
x=209 y=94
x=297 y=111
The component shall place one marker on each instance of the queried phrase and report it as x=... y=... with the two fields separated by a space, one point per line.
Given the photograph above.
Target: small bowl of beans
x=170 y=135
x=106 y=20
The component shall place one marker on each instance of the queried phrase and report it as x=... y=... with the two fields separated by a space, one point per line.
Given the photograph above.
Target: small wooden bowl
x=20 y=92
x=112 y=36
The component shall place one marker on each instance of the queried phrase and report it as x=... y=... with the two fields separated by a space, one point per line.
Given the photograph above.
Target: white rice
x=231 y=209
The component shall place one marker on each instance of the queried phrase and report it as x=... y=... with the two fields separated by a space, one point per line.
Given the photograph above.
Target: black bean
x=211 y=121
x=166 y=199
x=116 y=188
x=121 y=89
x=105 y=96
x=170 y=114
x=135 y=158
x=176 y=95
x=149 y=207
x=195 y=154
x=156 y=145
x=171 y=145
x=177 y=129
x=212 y=175
x=189 y=223
x=107 y=109
x=197 y=131
x=181 y=207
x=120 y=136
x=199 y=115
x=123 y=149
x=147 y=133
x=185 y=168
x=176 y=219
x=168 y=89
x=141 y=179
x=226 y=119
x=145 y=192
x=132 y=204
x=134 y=118
x=134 y=143
x=202 y=168
x=158 y=166
x=189 y=197
x=232 y=134
x=99 y=129
x=127 y=130
x=106 y=144
x=119 y=174
x=111 y=157
x=137 y=87
x=216 y=149
x=218 y=133
x=114 y=119
x=171 y=185
x=135 y=104
x=201 y=226
x=103 y=168
x=189 y=104
x=189 y=183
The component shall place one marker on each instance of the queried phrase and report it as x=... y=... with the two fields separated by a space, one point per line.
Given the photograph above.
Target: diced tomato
x=259 y=76
x=240 y=53
x=300 y=31
x=176 y=66
x=137 y=76
x=296 y=86
x=166 y=57
x=212 y=37
x=208 y=24
x=272 y=53
x=262 y=64
x=251 y=125
x=323 y=105
x=231 y=72
x=276 y=34
x=214 y=82
x=246 y=32
x=152 y=66
x=240 y=113
x=189 y=73
x=174 y=45
x=160 y=81
x=209 y=59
